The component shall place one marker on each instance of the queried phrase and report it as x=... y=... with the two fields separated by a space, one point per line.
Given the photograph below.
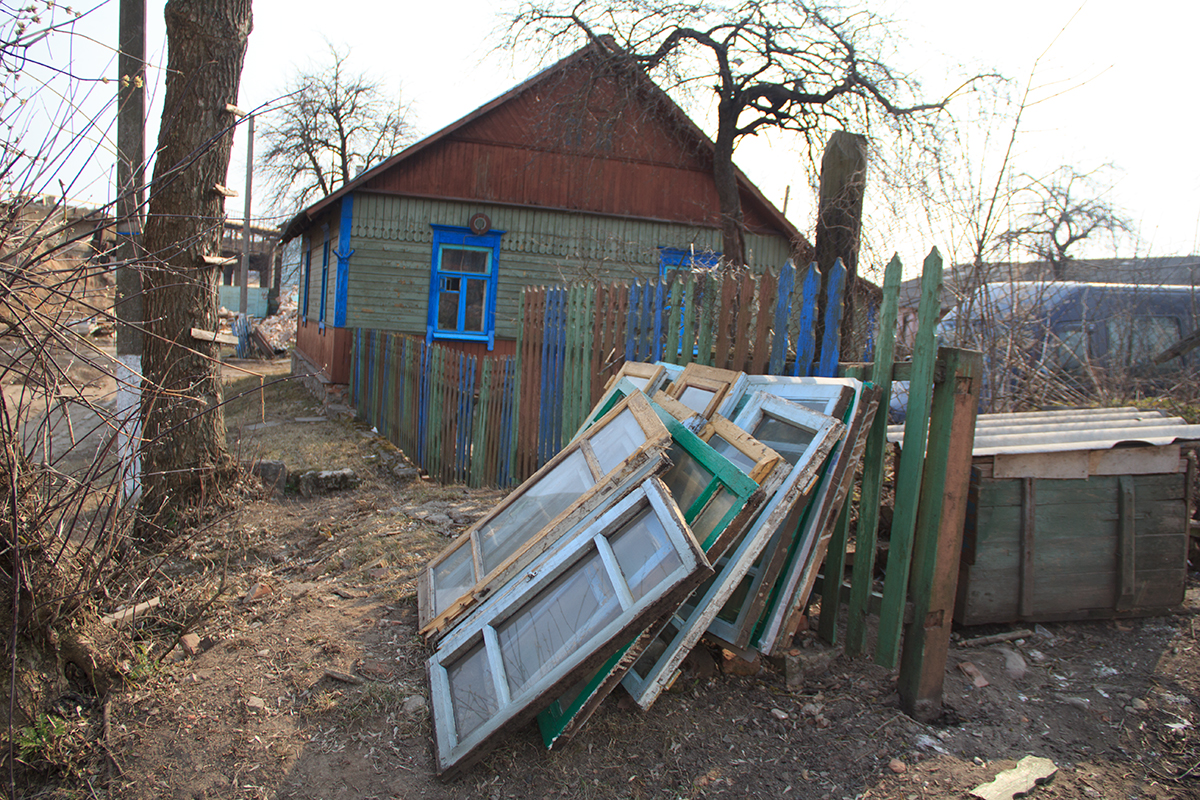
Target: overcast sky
x=1121 y=82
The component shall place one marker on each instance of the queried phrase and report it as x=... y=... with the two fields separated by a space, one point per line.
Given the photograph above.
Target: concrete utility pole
x=130 y=192
x=839 y=221
x=245 y=277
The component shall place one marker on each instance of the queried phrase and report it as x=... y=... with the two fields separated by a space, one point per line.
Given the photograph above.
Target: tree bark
x=184 y=454
x=733 y=223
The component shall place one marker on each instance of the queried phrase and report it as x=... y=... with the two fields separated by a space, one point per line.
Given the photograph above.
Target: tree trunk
x=184 y=453
x=733 y=223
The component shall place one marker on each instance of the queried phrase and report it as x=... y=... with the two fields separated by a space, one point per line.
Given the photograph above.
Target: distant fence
x=497 y=422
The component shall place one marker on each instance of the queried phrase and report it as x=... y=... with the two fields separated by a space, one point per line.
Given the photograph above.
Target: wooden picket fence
x=427 y=400
x=573 y=338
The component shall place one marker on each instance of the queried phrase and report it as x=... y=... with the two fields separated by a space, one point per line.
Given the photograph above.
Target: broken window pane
x=503 y=535
x=472 y=692
x=548 y=628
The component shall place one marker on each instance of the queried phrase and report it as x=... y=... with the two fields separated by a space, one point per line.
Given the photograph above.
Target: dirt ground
x=308 y=680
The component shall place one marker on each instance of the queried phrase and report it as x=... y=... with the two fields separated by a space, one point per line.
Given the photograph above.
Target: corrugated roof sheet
x=1072 y=429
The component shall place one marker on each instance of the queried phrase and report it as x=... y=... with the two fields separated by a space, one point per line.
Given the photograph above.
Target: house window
x=462 y=292
x=324 y=278
x=307 y=280
x=685 y=259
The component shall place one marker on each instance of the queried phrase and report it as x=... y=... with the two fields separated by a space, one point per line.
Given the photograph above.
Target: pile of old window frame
x=692 y=503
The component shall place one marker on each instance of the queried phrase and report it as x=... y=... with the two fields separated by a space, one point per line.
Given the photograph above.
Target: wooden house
x=585 y=171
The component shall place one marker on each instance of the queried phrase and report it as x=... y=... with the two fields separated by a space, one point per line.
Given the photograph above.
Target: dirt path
x=309 y=680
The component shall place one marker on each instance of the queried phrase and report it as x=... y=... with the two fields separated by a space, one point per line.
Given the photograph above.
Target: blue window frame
x=686 y=258
x=462 y=288
x=307 y=279
x=324 y=278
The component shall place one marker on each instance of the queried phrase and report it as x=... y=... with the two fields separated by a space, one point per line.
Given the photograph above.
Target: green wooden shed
x=1076 y=514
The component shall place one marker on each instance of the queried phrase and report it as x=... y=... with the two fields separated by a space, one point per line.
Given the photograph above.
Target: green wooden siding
x=314 y=240
x=391 y=240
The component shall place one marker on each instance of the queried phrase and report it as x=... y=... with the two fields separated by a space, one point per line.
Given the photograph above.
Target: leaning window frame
x=727 y=387
x=453 y=752
x=434 y=621
x=738 y=632
x=559 y=720
x=648 y=378
x=781 y=619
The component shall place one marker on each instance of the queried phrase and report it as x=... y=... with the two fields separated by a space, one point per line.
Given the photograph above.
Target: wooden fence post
x=938 y=544
x=806 y=331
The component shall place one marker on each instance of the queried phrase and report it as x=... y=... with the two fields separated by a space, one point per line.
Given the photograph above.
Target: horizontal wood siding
x=392 y=261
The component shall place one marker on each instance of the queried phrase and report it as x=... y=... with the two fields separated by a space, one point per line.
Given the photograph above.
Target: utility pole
x=245 y=278
x=130 y=192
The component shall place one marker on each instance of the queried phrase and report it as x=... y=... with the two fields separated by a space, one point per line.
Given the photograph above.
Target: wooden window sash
x=455 y=752
x=434 y=621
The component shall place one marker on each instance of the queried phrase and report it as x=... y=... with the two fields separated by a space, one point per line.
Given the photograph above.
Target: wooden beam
x=213 y=336
x=1028 y=545
x=938 y=543
x=1189 y=342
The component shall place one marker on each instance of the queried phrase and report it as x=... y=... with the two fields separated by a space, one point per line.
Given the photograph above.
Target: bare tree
x=1065 y=210
x=785 y=65
x=332 y=123
x=184 y=454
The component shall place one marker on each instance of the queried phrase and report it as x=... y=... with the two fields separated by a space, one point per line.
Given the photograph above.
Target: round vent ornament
x=480 y=224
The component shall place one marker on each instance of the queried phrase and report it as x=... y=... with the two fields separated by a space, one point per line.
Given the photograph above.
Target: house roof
x=653 y=96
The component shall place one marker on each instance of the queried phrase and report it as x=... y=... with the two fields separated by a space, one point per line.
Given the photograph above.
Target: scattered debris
x=273 y=475
x=342 y=677
x=897 y=766
x=980 y=641
x=1014 y=663
x=190 y=643
x=257 y=593
x=315 y=482
x=1029 y=772
x=130 y=615
x=972 y=672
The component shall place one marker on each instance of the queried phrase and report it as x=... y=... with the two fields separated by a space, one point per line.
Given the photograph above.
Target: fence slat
x=806 y=334
x=833 y=321
x=688 y=307
x=783 y=306
x=911 y=466
x=863 y=573
x=743 y=320
x=764 y=315
x=724 y=321
x=704 y=335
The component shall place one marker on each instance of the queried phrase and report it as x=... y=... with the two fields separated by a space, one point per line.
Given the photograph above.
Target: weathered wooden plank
x=1028 y=549
x=835 y=569
x=725 y=321
x=937 y=546
x=764 y=316
x=706 y=289
x=806 y=336
x=834 y=306
x=688 y=307
x=911 y=466
x=743 y=331
x=674 y=321
x=863 y=574
x=783 y=306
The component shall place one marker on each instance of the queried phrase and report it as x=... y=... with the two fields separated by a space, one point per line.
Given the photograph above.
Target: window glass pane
x=687 y=478
x=739 y=459
x=456 y=259
x=556 y=622
x=696 y=399
x=452 y=578
x=640 y=383
x=617 y=441
x=716 y=509
x=789 y=440
x=644 y=553
x=1149 y=337
x=473 y=305
x=1069 y=348
x=448 y=305
x=472 y=693
x=533 y=510
x=729 y=612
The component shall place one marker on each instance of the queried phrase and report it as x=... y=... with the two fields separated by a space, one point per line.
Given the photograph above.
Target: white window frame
x=455 y=752
x=726 y=385
x=434 y=620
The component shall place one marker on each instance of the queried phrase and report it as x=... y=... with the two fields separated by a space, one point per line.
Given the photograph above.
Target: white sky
x=1131 y=74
